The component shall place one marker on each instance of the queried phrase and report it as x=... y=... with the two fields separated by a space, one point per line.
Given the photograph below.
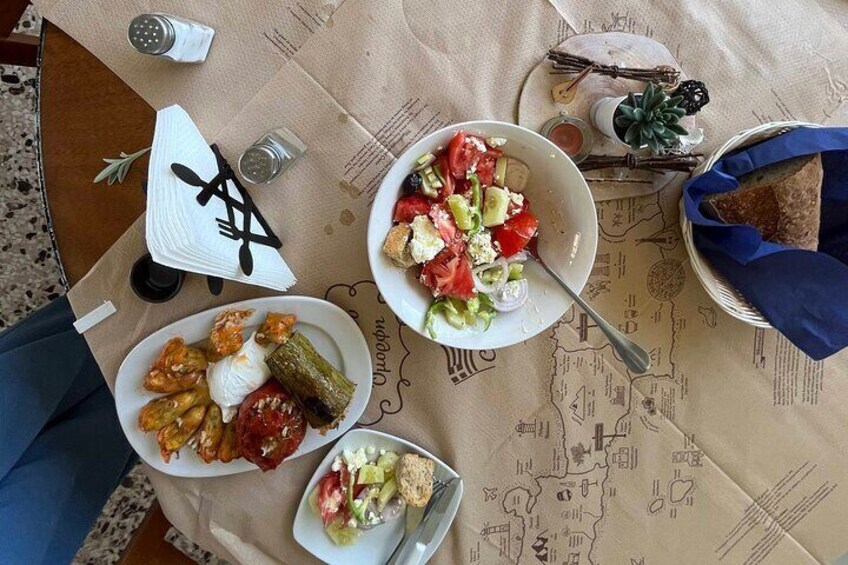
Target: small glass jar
x=572 y=135
x=171 y=37
x=270 y=156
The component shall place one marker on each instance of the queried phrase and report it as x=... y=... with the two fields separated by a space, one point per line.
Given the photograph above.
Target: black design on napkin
x=228 y=227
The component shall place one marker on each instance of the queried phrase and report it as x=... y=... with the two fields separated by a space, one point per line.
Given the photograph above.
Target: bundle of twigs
x=566 y=63
x=655 y=163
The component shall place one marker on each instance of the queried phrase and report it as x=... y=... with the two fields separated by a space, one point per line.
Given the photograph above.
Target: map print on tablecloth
x=389 y=341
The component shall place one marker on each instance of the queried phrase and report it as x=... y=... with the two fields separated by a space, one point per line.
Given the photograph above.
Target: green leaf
x=674 y=102
x=639 y=114
x=627 y=111
x=632 y=133
x=679 y=130
x=654 y=145
x=667 y=135
x=647 y=132
x=117 y=169
x=679 y=112
x=658 y=128
x=104 y=173
x=623 y=121
x=658 y=99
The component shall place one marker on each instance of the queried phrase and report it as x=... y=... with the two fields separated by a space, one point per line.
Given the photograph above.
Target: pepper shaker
x=171 y=37
x=270 y=156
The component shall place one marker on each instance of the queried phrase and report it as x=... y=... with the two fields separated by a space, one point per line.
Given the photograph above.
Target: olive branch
x=116 y=170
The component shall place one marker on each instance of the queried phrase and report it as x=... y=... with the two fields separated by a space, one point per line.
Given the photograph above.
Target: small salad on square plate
x=362 y=495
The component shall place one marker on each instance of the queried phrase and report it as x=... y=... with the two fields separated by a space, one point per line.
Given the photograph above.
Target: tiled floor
x=30 y=277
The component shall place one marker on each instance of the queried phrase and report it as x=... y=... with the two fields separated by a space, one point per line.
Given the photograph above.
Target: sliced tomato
x=458 y=156
x=515 y=233
x=465 y=153
x=443 y=165
x=331 y=496
x=449 y=274
x=410 y=206
x=486 y=168
x=444 y=222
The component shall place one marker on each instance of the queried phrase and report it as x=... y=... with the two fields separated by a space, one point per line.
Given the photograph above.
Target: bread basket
x=720 y=290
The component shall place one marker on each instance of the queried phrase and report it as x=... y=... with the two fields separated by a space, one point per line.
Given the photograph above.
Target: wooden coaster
x=536 y=106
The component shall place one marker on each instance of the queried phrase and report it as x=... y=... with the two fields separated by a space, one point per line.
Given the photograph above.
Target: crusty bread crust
x=783 y=201
x=397 y=245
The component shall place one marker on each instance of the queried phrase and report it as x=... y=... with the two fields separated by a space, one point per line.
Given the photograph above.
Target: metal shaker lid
x=152 y=34
x=260 y=163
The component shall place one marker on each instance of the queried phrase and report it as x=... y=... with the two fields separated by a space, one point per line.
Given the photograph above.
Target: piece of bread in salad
x=396 y=246
x=414 y=478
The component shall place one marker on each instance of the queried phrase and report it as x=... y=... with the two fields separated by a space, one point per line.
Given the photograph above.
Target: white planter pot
x=602 y=115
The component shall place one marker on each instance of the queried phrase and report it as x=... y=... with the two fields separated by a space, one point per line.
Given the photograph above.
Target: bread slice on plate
x=781 y=200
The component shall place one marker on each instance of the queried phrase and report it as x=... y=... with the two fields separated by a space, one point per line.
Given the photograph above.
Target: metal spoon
x=636 y=358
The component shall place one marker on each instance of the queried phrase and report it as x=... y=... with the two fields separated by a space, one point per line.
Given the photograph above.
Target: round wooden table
x=88 y=113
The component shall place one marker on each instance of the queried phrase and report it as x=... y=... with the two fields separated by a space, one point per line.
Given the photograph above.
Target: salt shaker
x=270 y=156
x=170 y=37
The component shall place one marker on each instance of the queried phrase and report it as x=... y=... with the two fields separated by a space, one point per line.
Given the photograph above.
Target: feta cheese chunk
x=355 y=459
x=480 y=248
x=426 y=241
x=496 y=141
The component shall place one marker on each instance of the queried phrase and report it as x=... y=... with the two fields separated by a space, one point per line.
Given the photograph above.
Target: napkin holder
x=218 y=187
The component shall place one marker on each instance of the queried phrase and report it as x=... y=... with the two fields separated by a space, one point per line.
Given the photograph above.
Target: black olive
x=411 y=184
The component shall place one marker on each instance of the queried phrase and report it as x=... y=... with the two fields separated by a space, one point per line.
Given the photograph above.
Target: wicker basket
x=719 y=289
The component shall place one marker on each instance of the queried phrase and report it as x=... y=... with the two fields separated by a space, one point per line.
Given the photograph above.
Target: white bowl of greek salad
x=450 y=226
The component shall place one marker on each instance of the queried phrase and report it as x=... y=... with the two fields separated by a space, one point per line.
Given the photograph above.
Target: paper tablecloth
x=731 y=450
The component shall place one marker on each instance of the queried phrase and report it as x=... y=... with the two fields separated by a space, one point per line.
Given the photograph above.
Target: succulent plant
x=652 y=119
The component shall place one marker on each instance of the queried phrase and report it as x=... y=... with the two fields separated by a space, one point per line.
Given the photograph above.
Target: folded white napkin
x=184 y=234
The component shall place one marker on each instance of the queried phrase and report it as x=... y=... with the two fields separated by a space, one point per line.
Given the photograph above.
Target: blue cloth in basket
x=804 y=294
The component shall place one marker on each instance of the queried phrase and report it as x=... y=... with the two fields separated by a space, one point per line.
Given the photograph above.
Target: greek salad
x=464 y=221
x=366 y=488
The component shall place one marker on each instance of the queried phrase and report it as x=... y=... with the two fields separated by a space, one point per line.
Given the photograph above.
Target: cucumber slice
x=428 y=188
x=490 y=276
x=340 y=533
x=386 y=494
x=500 y=171
x=313 y=501
x=424 y=161
x=495 y=206
x=387 y=462
x=516 y=271
x=461 y=212
x=369 y=475
x=517 y=174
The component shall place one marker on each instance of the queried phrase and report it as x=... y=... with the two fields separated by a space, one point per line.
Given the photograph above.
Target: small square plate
x=375 y=546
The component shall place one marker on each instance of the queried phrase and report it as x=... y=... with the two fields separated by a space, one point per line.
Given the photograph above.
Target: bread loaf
x=782 y=200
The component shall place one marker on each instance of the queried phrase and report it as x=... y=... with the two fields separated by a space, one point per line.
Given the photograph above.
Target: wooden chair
x=16 y=48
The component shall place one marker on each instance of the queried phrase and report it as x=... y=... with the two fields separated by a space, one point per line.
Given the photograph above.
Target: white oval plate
x=330 y=329
x=375 y=546
x=568 y=239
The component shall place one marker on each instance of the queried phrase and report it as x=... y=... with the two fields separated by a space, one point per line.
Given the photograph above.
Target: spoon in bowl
x=636 y=358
